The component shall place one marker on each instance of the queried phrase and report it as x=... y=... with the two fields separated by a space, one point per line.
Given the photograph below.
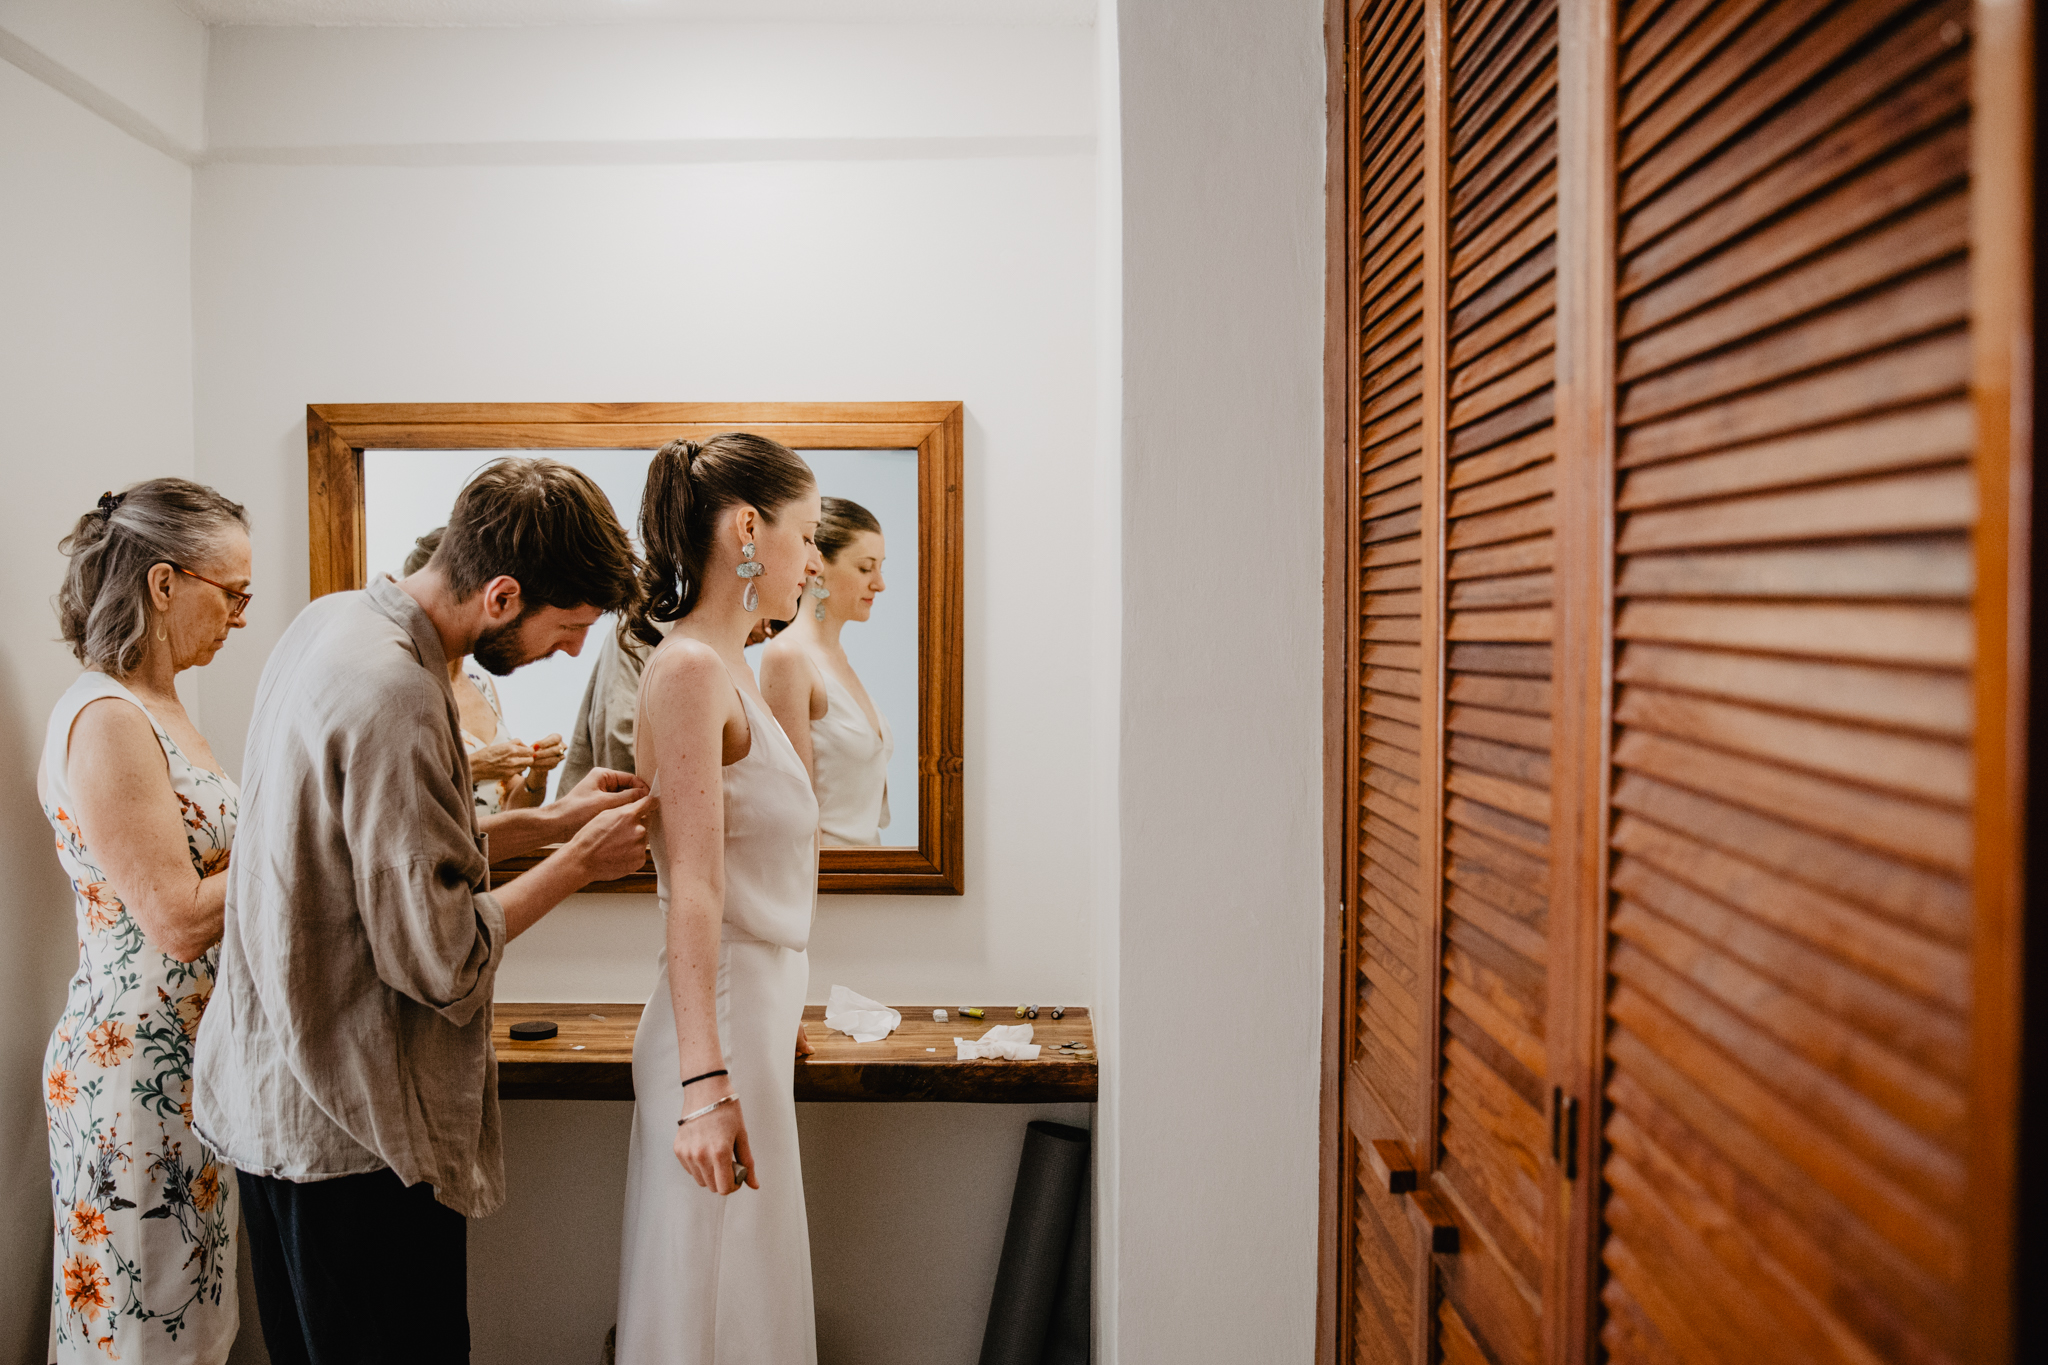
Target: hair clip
x=109 y=500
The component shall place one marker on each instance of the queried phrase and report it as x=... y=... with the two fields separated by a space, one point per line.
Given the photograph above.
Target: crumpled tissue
x=1010 y=1042
x=862 y=1019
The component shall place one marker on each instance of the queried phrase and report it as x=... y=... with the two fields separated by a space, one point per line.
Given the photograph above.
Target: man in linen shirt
x=345 y=1066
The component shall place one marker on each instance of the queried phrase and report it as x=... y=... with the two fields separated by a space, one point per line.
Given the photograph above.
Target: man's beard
x=497 y=649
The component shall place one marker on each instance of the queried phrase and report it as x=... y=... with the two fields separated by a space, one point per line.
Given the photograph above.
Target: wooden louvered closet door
x=1789 y=994
x=1499 y=445
x=1389 y=1022
x=1448 y=1096
x=1675 y=402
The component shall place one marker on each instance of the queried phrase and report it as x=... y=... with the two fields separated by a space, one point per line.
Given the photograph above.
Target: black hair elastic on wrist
x=705 y=1077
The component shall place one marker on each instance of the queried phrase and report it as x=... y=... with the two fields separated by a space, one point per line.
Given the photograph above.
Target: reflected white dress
x=852 y=760
x=706 y=1279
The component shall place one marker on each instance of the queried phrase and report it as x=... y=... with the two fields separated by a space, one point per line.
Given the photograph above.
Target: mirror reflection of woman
x=716 y=1263
x=510 y=774
x=145 y=819
x=810 y=684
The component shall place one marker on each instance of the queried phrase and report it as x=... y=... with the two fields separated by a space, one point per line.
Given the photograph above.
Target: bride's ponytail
x=673 y=565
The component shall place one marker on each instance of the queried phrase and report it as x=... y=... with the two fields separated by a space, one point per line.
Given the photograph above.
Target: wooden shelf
x=591 y=1058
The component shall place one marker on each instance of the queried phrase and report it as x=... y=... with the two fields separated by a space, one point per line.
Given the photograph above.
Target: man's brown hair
x=545 y=524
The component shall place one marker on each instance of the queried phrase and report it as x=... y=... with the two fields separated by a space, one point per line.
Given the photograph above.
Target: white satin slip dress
x=852 y=759
x=705 y=1279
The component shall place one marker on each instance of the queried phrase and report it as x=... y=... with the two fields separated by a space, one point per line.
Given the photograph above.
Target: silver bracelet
x=700 y=1113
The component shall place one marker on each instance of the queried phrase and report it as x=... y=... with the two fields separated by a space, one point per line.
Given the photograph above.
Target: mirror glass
x=407 y=493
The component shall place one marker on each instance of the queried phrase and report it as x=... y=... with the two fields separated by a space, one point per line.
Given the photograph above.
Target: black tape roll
x=1071 y=1340
x=1050 y=1177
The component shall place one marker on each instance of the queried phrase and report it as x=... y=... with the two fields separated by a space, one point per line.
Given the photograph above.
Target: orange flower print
x=108 y=1043
x=106 y=1343
x=190 y=1007
x=195 y=814
x=85 y=1286
x=206 y=1187
x=62 y=1089
x=103 y=909
x=215 y=861
x=88 y=1224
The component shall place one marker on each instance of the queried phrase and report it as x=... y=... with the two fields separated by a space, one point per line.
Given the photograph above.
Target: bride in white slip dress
x=716 y=1267
x=839 y=732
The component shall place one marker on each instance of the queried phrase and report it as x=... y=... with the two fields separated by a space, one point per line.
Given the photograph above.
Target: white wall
x=95 y=392
x=754 y=212
x=139 y=64
x=1221 y=905
x=787 y=235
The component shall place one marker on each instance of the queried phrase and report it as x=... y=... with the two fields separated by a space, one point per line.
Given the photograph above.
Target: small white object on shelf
x=1008 y=1042
x=861 y=1019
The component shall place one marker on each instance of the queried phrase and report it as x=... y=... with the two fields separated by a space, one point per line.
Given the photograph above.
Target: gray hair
x=103 y=607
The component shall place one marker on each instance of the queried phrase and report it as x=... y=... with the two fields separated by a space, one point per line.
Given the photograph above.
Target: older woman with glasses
x=144 y=815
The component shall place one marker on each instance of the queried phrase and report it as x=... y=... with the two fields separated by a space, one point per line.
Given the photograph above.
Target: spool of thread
x=1059 y=1011
x=971 y=1012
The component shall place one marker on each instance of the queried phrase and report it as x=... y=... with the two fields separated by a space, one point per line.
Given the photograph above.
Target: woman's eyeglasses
x=237 y=601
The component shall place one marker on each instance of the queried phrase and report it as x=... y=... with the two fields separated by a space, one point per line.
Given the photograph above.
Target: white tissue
x=862 y=1019
x=1010 y=1042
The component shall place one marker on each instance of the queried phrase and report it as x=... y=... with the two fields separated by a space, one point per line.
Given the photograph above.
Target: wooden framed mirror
x=381 y=474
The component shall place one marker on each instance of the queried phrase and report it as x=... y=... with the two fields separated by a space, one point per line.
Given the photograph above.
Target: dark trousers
x=357 y=1271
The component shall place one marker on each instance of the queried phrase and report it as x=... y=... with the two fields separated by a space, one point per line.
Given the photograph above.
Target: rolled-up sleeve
x=433 y=934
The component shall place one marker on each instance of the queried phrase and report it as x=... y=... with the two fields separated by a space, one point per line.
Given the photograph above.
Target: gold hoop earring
x=160 y=627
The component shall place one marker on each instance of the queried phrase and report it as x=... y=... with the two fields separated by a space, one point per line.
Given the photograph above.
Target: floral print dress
x=490 y=796
x=145 y=1216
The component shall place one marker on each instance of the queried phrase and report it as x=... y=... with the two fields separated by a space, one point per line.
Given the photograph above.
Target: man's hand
x=601 y=790
x=614 y=842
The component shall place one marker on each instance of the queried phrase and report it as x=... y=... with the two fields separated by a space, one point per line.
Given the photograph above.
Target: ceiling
x=500 y=13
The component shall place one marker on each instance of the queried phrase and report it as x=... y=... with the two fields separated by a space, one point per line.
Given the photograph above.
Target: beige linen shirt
x=350 y=1026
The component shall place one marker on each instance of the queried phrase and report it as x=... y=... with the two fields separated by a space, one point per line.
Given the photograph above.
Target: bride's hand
x=708 y=1146
x=804 y=1047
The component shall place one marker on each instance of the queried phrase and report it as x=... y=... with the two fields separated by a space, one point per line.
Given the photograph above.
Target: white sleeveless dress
x=145 y=1215
x=705 y=1279
x=852 y=761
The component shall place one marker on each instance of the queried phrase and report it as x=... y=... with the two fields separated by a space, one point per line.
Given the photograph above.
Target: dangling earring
x=750 y=571
x=160 y=626
x=821 y=592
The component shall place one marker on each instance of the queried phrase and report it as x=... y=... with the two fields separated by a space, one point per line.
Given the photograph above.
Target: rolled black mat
x=1050 y=1177
x=1070 y=1340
